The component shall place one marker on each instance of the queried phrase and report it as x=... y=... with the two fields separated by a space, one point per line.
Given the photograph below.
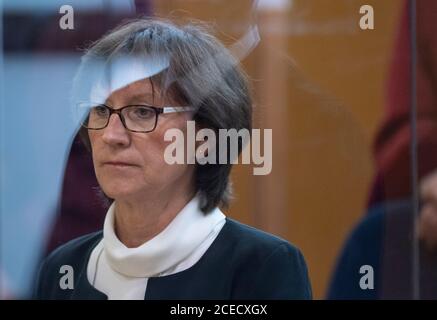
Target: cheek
x=157 y=144
x=154 y=163
x=93 y=138
x=154 y=147
x=92 y=141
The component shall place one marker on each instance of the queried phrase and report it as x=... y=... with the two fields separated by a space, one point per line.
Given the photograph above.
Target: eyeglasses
x=135 y=118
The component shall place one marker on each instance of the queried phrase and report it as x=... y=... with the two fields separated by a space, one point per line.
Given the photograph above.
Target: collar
x=176 y=242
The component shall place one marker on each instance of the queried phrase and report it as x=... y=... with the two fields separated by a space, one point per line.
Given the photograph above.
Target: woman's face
x=146 y=173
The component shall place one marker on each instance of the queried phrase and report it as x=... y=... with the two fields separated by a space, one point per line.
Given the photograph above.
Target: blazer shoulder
x=75 y=248
x=73 y=254
x=268 y=266
x=255 y=239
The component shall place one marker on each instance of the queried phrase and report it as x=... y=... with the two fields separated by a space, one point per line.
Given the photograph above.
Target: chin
x=118 y=191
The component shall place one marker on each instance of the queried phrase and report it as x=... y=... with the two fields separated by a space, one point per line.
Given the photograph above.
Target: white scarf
x=186 y=232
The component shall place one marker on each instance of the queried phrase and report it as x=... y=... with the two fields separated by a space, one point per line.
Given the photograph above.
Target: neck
x=137 y=221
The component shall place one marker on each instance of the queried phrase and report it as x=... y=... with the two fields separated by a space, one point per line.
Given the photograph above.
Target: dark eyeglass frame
x=157 y=110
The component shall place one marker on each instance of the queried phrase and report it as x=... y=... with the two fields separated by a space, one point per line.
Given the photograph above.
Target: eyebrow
x=143 y=97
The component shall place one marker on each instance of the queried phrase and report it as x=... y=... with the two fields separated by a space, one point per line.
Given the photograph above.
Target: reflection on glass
x=337 y=98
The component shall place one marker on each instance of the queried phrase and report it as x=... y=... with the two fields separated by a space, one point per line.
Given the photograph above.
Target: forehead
x=140 y=89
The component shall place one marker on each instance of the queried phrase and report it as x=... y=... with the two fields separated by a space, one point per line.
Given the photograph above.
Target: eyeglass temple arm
x=177 y=109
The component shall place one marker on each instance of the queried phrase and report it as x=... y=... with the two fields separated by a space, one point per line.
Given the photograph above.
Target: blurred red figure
x=81 y=210
x=393 y=141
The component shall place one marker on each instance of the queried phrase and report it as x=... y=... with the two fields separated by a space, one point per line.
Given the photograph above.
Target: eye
x=100 y=111
x=143 y=113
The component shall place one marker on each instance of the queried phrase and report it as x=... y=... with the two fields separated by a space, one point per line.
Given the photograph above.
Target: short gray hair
x=201 y=73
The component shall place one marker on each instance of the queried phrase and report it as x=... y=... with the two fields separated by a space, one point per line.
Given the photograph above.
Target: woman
x=164 y=236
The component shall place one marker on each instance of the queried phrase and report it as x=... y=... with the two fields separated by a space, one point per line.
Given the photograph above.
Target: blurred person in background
x=383 y=239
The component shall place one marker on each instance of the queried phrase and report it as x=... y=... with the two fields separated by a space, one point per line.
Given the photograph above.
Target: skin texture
x=148 y=192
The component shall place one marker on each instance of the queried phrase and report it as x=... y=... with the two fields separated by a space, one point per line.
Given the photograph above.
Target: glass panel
x=341 y=160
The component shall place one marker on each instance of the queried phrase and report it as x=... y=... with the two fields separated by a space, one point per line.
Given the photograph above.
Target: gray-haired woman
x=164 y=236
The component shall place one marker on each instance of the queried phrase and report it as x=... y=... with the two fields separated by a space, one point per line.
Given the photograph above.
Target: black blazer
x=241 y=263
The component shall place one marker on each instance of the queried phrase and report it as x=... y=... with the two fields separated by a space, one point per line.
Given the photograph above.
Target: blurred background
x=352 y=114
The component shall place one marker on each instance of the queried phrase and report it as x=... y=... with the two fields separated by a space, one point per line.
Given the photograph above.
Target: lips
x=119 y=164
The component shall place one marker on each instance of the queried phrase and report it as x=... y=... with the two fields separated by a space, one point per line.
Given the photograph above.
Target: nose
x=115 y=133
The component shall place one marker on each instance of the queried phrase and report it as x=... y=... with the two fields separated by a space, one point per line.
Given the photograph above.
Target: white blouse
x=122 y=273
